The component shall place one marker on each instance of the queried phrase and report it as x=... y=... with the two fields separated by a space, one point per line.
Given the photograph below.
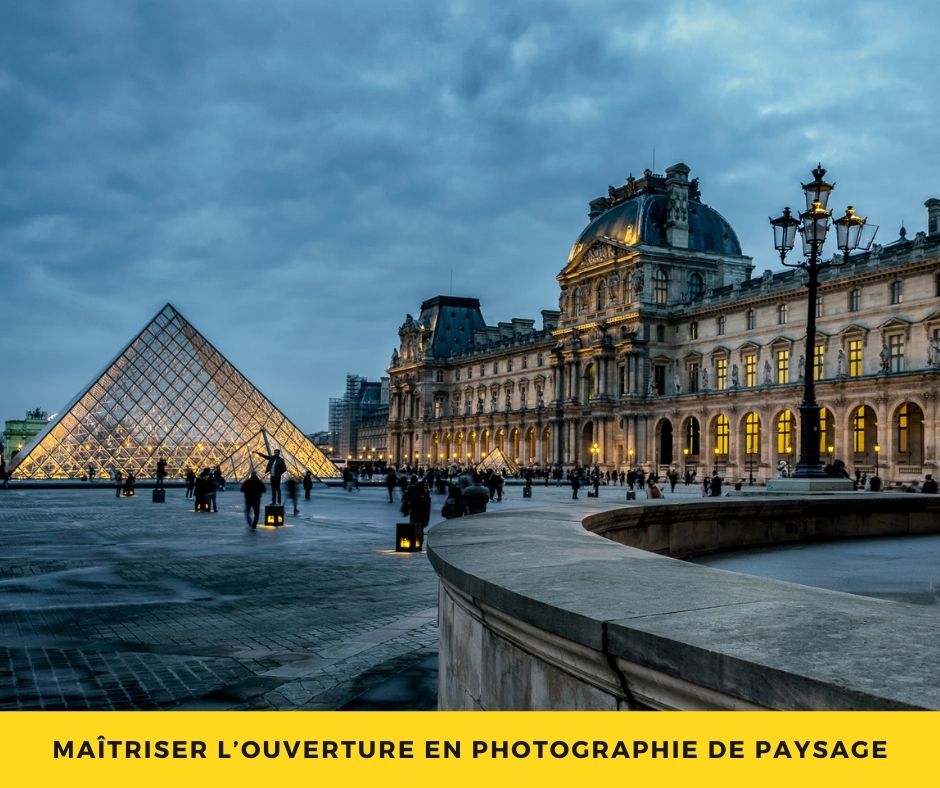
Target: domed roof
x=641 y=219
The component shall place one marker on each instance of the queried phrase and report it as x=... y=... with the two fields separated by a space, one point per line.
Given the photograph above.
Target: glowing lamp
x=409 y=538
x=202 y=506
x=274 y=515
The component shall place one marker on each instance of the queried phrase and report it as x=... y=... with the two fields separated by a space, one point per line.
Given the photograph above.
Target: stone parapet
x=539 y=612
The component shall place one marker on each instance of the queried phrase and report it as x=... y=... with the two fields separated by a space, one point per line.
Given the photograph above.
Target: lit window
x=855 y=358
x=897 y=292
x=783 y=366
x=858 y=430
x=819 y=362
x=855 y=300
x=722 y=434
x=751 y=319
x=896 y=349
x=752 y=434
x=693 y=330
x=722 y=323
x=782 y=313
x=750 y=369
x=660 y=287
x=903 y=429
x=824 y=416
x=721 y=373
x=785 y=431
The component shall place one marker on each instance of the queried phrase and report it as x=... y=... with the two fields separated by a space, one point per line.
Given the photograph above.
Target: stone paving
x=110 y=603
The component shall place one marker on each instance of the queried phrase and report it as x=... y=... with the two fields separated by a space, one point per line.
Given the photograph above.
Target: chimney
x=677 y=206
x=933 y=216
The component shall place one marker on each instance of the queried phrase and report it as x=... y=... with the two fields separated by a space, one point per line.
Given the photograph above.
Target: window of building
x=590 y=379
x=482 y=370
x=936 y=289
x=783 y=312
x=897 y=291
x=525 y=362
x=660 y=287
x=628 y=288
x=855 y=300
x=439 y=376
x=438 y=408
x=752 y=433
x=721 y=324
x=722 y=434
x=751 y=319
x=858 y=430
x=819 y=306
x=495 y=367
x=750 y=369
x=856 y=351
x=659 y=378
x=660 y=333
x=692 y=437
x=469 y=372
x=693 y=330
x=785 y=430
x=783 y=366
x=721 y=373
x=819 y=362
x=693 y=377
x=696 y=286
x=509 y=365
x=621 y=376
x=903 y=441
x=896 y=349
x=538 y=360
x=457 y=373
x=824 y=432
x=602 y=295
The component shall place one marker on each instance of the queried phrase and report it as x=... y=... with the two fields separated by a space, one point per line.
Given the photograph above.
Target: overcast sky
x=296 y=176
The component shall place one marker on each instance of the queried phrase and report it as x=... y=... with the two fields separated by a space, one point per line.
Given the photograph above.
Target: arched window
x=660 y=287
x=602 y=295
x=722 y=434
x=628 y=288
x=752 y=433
x=858 y=430
x=590 y=381
x=692 y=437
x=696 y=286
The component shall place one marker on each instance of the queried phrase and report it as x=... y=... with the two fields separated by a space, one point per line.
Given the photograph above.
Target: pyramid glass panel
x=171 y=394
x=498 y=462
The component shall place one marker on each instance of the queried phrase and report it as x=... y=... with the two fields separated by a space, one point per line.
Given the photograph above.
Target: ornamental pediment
x=599 y=251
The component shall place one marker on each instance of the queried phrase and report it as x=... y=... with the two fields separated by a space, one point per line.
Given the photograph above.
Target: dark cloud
x=296 y=176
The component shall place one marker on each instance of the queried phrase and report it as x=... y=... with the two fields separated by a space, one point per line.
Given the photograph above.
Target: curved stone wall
x=539 y=611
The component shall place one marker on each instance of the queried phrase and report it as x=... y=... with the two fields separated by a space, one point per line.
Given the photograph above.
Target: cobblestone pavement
x=110 y=603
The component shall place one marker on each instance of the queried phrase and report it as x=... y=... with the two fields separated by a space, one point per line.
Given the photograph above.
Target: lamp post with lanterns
x=595 y=451
x=877 y=455
x=854 y=233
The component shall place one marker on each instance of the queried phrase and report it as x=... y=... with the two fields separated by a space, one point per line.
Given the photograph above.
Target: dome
x=641 y=219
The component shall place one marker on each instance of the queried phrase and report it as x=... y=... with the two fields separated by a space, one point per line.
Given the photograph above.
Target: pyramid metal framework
x=497 y=461
x=168 y=393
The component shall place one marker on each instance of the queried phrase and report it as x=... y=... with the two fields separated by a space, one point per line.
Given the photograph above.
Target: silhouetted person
x=930 y=485
x=575 y=484
x=200 y=490
x=3 y=473
x=391 y=481
x=308 y=485
x=190 y=482
x=252 y=488
x=161 y=472
x=418 y=502
x=292 y=493
x=129 y=485
x=716 y=485
x=276 y=468
x=476 y=496
x=211 y=489
x=219 y=479
x=118 y=483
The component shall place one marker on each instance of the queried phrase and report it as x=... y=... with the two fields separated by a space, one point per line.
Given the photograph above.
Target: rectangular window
x=622 y=372
x=509 y=365
x=693 y=330
x=693 y=378
x=659 y=377
x=896 y=348
x=440 y=376
x=783 y=366
x=819 y=362
x=751 y=319
x=897 y=292
x=721 y=373
x=855 y=300
x=902 y=430
x=819 y=306
x=469 y=372
x=495 y=367
x=482 y=370
x=721 y=325
x=458 y=374
x=855 y=358
x=660 y=333
x=750 y=369
x=525 y=362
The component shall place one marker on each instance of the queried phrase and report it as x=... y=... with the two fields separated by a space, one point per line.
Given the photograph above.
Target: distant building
x=666 y=352
x=359 y=419
x=17 y=433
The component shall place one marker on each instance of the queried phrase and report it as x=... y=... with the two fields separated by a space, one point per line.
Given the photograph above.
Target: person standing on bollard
x=292 y=493
x=252 y=488
x=276 y=468
x=308 y=485
x=161 y=472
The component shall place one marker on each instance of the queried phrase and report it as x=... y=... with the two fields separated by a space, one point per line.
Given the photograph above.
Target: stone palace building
x=666 y=352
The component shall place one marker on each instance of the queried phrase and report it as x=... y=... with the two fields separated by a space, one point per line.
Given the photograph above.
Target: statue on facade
x=563 y=300
x=704 y=379
x=651 y=390
x=508 y=399
x=677 y=383
x=801 y=367
x=768 y=373
x=395 y=357
x=933 y=353
x=638 y=281
x=539 y=400
x=885 y=356
x=841 y=369
x=735 y=380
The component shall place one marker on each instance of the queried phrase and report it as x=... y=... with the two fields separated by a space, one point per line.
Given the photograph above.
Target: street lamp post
x=831 y=451
x=813 y=224
x=630 y=455
x=750 y=468
x=877 y=454
x=685 y=464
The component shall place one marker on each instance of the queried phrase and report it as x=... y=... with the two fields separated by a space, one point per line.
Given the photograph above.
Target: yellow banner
x=381 y=749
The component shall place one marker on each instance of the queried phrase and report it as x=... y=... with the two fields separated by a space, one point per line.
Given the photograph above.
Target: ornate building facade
x=667 y=352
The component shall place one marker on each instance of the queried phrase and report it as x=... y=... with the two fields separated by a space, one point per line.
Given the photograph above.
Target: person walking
x=276 y=468
x=252 y=488
x=575 y=484
x=716 y=485
x=292 y=493
x=673 y=476
x=190 y=482
x=212 y=488
x=161 y=472
x=219 y=479
x=118 y=483
x=308 y=485
x=199 y=491
x=391 y=481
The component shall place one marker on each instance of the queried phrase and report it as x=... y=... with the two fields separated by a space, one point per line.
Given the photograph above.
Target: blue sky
x=296 y=176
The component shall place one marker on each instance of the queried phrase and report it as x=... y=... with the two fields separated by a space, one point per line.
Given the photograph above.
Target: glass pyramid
x=497 y=461
x=169 y=393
